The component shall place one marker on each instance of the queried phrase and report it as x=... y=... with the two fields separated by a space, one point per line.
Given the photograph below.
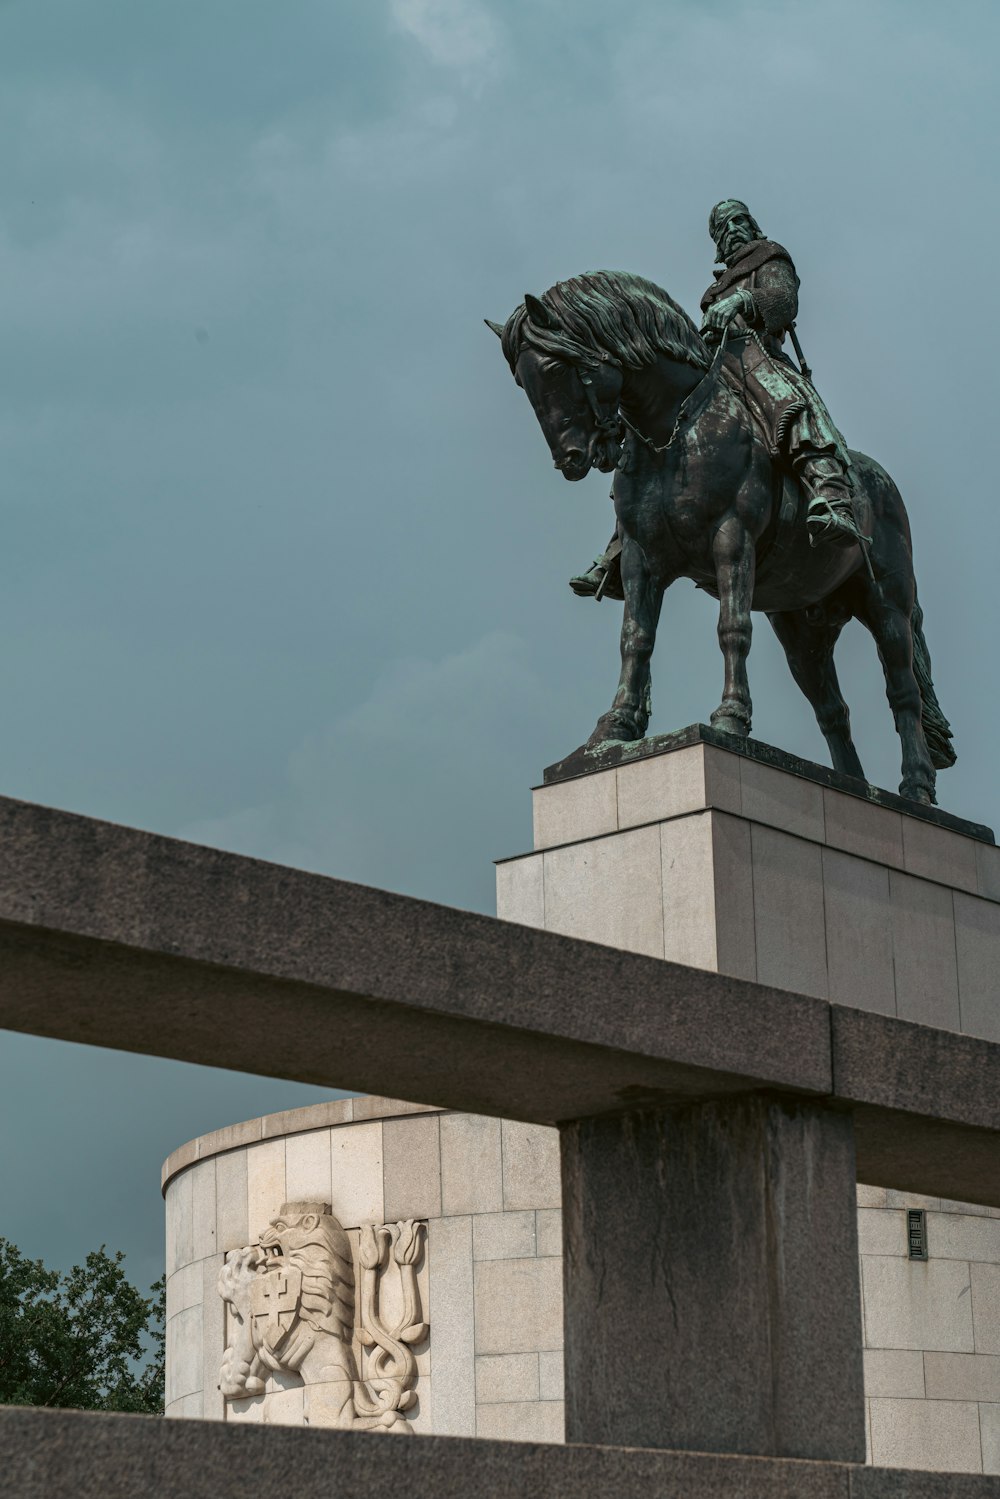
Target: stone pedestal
x=711 y=1280
x=742 y=860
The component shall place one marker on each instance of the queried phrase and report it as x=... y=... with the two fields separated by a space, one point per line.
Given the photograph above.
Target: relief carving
x=292 y=1299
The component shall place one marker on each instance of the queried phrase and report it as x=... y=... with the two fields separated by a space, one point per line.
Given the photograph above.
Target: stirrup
x=826 y=521
x=585 y=585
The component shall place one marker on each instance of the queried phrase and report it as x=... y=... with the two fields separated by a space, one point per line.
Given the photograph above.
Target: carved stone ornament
x=292 y=1296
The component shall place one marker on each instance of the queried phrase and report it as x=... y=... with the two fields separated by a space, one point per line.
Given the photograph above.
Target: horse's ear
x=497 y=327
x=538 y=313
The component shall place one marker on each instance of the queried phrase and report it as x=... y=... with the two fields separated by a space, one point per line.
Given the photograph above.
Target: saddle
x=791 y=500
x=737 y=369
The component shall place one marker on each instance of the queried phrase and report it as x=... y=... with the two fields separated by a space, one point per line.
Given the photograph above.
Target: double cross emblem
x=275 y=1300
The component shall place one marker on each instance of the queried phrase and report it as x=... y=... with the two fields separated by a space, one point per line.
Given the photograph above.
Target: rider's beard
x=732 y=241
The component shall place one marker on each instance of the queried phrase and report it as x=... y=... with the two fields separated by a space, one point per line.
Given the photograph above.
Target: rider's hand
x=722 y=313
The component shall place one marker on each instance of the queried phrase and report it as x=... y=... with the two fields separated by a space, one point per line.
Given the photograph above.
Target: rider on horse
x=753 y=301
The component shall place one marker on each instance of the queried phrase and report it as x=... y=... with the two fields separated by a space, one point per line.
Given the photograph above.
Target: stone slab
x=504 y=1236
x=232 y=1229
x=619 y=752
x=918 y=1305
x=80 y=1455
x=923 y=941
x=904 y=1483
x=530 y=1166
x=859 y=955
x=518 y=1305
x=506 y=1377
x=471 y=1165
x=452 y=1312
x=941 y=1435
x=307 y=1166
x=963 y=1376
x=608 y=888
x=522 y=1421
x=411 y=1167
x=895 y=1372
x=788 y=911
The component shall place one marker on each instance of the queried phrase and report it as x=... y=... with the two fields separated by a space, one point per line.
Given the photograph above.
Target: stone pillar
x=712 y=1299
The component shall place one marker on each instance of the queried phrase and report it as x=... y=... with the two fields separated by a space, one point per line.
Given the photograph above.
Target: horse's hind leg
x=887 y=611
x=808 y=637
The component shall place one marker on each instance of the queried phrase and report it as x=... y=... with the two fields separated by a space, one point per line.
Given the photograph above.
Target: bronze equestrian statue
x=729 y=471
x=754 y=299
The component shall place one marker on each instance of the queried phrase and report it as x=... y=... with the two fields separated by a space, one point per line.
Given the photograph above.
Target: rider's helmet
x=724 y=211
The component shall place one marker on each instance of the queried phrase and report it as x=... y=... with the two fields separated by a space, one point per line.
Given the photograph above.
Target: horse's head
x=574 y=392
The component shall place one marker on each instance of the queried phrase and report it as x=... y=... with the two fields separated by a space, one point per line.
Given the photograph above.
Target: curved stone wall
x=490 y=1277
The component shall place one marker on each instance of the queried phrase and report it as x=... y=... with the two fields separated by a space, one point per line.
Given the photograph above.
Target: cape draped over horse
x=619 y=378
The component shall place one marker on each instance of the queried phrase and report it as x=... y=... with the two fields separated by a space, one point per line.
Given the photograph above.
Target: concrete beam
x=125 y=939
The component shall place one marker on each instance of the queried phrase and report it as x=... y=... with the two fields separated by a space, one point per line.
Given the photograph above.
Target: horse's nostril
x=572 y=458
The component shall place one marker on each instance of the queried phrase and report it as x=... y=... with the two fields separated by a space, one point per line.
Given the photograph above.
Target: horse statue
x=620 y=379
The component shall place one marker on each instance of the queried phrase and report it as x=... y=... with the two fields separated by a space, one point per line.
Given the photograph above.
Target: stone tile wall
x=932 y=1334
x=490 y=1280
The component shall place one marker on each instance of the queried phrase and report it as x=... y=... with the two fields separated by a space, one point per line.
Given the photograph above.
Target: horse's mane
x=611 y=313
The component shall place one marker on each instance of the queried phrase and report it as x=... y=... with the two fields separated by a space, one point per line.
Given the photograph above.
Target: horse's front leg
x=734 y=556
x=629 y=713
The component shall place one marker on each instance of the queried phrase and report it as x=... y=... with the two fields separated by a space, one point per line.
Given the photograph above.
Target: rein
x=606 y=424
x=682 y=409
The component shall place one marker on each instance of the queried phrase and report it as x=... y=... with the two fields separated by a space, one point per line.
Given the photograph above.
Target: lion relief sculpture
x=293 y=1303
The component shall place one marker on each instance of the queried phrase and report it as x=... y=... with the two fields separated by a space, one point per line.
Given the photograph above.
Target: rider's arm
x=775 y=295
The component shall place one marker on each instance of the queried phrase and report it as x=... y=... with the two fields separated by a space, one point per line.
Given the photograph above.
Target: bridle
x=682 y=409
x=607 y=422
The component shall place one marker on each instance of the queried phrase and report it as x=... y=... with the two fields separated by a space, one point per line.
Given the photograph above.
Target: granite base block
x=81 y=1455
x=623 y=752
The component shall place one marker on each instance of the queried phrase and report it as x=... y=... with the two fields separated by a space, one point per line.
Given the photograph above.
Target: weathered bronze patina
x=706 y=436
x=753 y=302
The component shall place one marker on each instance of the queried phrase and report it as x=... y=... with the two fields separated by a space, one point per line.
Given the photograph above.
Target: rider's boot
x=830 y=516
x=604 y=578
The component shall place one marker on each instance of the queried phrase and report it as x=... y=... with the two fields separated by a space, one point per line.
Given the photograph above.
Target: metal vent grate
x=916 y=1233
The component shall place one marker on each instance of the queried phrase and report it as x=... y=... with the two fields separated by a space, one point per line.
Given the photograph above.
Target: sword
x=807 y=372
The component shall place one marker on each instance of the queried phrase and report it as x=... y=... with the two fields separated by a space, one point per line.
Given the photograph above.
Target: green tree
x=86 y=1339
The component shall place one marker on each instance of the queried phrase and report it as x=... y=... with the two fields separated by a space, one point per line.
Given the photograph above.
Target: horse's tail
x=937 y=729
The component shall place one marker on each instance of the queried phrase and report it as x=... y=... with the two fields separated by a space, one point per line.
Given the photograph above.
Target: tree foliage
x=86 y=1339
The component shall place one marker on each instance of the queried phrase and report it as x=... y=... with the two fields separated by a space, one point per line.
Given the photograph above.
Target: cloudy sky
x=285 y=556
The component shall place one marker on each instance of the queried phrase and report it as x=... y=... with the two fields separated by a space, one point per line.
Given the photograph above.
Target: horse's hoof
x=918 y=794
x=731 y=718
x=734 y=726
x=614 y=727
